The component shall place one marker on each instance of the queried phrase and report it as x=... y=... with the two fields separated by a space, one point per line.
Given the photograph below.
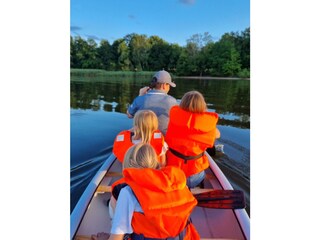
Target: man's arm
x=143 y=90
x=133 y=108
x=129 y=115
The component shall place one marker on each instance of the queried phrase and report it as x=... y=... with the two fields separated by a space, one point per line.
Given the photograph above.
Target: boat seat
x=103 y=189
x=107 y=180
x=200 y=190
x=82 y=237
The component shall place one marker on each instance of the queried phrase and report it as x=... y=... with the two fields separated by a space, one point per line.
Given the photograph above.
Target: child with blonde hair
x=145 y=130
x=191 y=130
x=151 y=199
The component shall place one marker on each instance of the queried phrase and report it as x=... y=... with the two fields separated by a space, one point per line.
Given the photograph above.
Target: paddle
x=224 y=199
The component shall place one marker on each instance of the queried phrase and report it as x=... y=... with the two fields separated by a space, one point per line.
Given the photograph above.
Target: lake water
x=98 y=106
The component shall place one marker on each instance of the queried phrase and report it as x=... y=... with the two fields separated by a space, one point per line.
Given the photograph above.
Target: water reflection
x=98 y=107
x=100 y=104
x=229 y=98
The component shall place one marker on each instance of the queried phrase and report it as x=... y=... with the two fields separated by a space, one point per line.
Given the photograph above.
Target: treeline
x=228 y=57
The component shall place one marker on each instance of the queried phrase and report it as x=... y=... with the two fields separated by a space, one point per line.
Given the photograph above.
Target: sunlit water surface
x=98 y=107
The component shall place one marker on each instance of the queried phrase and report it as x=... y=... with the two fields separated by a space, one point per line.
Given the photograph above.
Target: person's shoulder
x=125 y=132
x=172 y=100
x=127 y=191
x=213 y=114
x=171 y=96
x=139 y=99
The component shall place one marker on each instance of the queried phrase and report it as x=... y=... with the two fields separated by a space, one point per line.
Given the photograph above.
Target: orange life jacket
x=123 y=142
x=188 y=136
x=166 y=202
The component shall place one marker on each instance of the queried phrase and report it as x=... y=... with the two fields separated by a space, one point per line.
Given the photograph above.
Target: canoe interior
x=210 y=223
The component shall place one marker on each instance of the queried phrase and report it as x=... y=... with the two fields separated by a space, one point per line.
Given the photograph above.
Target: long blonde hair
x=193 y=101
x=141 y=155
x=145 y=122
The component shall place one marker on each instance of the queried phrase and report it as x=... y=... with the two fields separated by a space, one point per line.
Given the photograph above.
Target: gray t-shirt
x=157 y=101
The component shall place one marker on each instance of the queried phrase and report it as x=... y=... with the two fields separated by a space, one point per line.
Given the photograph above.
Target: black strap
x=116 y=190
x=186 y=158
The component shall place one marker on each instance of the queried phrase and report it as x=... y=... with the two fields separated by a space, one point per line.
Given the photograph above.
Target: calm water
x=98 y=107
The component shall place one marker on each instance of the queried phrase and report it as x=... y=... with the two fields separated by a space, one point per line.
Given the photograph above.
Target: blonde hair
x=193 y=101
x=145 y=122
x=141 y=155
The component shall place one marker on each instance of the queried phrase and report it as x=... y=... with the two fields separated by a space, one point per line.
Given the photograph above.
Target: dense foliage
x=228 y=57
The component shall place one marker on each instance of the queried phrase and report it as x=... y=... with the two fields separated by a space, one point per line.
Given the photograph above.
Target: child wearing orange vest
x=145 y=130
x=191 y=131
x=155 y=202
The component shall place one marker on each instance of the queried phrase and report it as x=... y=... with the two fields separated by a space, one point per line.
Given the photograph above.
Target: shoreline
x=211 y=78
x=101 y=72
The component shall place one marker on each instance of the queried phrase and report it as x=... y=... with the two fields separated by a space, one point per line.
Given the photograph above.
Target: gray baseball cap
x=163 y=77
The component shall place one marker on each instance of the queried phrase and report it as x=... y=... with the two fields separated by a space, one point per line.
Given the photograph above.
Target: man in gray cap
x=156 y=99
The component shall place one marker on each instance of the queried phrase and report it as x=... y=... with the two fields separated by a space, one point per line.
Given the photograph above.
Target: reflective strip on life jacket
x=121 y=144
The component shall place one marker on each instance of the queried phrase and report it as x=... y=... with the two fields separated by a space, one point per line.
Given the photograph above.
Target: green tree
x=230 y=56
x=203 y=62
x=175 y=51
x=84 y=53
x=242 y=45
x=120 y=53
x=159 y=56
x=232 y=66
x=163 y=55
x=139 y=51
x=245 y=49
x=72 y=53
x=105 y=55
x=200 y=40
x=223 y=57
x=187 y=63
x=193 y=60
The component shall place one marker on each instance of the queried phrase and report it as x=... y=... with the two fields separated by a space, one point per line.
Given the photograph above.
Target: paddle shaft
x=224 y=199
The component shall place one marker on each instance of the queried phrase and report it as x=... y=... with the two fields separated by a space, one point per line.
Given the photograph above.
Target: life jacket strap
x=186 y=158
x=116 y=190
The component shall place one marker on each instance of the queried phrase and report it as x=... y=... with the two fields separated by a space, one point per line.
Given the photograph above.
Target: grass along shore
x=100 y=72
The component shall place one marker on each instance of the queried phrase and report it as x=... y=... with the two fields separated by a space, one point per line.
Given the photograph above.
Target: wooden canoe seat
x=200 y=190
x=103 y=189
x=105 y=184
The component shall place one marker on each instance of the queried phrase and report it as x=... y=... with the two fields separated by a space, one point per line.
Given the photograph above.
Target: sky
x=175 y=21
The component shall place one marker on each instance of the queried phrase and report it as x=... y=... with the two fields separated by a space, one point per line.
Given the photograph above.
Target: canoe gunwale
x=85 y=199
x=241 y=214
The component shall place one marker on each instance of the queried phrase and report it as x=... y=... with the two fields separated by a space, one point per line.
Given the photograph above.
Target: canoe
x=91 y=214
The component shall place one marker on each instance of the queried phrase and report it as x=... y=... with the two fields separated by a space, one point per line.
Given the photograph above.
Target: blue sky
x=173 y=20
